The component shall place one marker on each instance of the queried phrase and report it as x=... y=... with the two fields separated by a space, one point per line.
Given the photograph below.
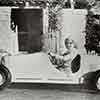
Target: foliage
x=54 y=11
x=81 y=4
x=7 y=3
x=92 y=39
x=22 y=2
x=85 y=4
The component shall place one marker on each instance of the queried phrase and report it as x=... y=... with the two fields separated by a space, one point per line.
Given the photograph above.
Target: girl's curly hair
x=67 y=40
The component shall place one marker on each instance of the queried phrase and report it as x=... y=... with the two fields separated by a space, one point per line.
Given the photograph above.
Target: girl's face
x=69 y=45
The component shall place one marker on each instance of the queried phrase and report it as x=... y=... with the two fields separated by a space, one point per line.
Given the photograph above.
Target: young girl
x=68 y=59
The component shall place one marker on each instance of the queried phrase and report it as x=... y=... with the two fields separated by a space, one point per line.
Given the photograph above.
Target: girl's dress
x=68 y=62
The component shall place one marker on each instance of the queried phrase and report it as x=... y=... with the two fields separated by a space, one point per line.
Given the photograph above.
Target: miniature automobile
x=37 y=68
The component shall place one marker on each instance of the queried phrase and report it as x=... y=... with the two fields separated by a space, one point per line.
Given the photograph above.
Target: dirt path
x=45 y=94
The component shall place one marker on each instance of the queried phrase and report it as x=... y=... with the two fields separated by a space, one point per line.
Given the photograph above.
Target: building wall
x=7 y=36
x=72 y=23
x=73 y=26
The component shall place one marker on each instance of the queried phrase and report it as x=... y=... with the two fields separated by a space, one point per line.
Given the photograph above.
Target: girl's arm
x=61 y=57
x=66 y=57
x=70 y=55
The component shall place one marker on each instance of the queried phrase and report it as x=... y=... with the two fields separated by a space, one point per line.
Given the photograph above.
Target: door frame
x=44 y=21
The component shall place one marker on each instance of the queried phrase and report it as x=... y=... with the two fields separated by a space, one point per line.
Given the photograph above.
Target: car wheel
x=89 y=80
x=98 y=83
x=5 y=77
x=97 y=79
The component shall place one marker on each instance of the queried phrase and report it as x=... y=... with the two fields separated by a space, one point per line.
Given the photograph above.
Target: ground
x=40 y=92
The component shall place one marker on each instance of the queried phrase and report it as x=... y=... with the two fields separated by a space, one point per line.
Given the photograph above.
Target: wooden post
x=72 y=4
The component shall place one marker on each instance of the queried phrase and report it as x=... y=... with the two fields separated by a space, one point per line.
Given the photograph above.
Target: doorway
x=29 y=23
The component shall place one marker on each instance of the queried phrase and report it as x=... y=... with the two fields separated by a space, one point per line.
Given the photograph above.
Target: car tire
x=98 y=83
x=5 y=77
x=97 y=79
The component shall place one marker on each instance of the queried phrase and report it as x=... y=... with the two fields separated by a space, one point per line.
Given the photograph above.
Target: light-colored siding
x=7 y=37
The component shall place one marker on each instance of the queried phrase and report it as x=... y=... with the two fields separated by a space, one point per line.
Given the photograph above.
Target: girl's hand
x=51 y=54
